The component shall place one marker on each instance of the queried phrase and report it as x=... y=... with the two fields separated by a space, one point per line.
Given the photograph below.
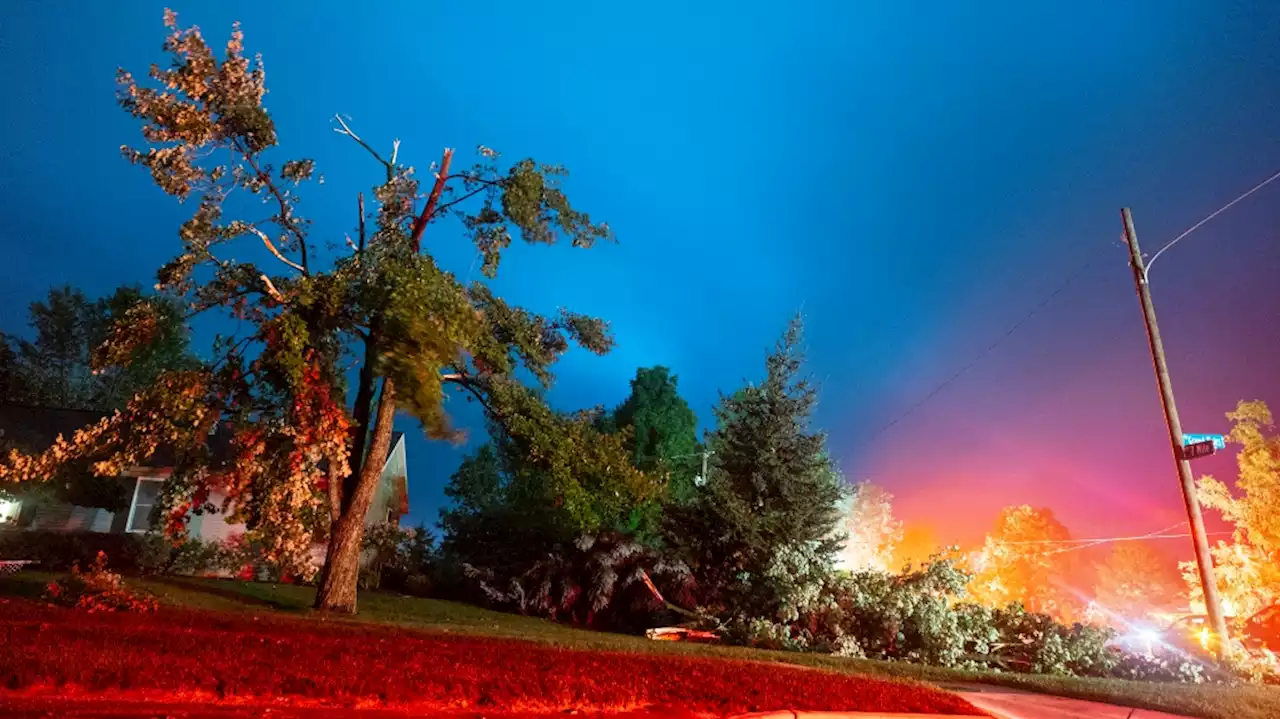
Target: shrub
x=246 y=557
x=188 y=557
x=97 y=590
x=59 y=551
x=138 y=554
x=1261 y=666
x=397 y=559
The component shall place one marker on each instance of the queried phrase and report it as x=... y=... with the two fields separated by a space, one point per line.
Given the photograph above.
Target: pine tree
x=772 y=489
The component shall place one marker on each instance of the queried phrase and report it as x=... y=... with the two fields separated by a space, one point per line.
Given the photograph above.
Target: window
x=9 y=510
x=146 y=492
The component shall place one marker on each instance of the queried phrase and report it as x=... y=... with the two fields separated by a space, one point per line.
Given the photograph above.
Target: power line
x=977 y=358
x=1217 y=212
x=1043 y=303
x=1159 y=533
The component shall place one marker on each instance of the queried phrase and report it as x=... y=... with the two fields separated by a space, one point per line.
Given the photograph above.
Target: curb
x=790 y=714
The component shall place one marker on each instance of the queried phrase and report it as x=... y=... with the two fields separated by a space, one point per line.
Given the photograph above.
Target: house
x=137 y=490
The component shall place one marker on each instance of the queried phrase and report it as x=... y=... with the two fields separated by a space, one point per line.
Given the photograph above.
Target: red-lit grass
x=233 y=657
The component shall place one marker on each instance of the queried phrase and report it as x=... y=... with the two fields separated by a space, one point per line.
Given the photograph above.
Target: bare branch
x=272 y=248
x=286 y=210
x=346 y=130
x=360 y=210
x=465 y=197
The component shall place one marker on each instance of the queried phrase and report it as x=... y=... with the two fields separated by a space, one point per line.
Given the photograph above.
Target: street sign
x=1197 y=450
x=1219 y=442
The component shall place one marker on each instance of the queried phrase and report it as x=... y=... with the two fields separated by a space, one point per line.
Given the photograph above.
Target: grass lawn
x=442 y=617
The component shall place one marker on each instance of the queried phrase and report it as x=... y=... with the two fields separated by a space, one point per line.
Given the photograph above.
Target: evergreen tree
x=9 y=380
x=664 y=428
x=772 y=489
x=662 y=436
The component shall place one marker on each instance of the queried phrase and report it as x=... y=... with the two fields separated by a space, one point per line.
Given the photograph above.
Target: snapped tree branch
x=442 y=177
x=272 y=248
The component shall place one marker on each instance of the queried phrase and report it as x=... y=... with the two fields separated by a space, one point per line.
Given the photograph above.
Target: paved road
x=1005 y=703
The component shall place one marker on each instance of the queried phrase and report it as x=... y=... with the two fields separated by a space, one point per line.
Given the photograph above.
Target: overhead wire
x=1044 y=302
x=981 y=355
x=1212 y=215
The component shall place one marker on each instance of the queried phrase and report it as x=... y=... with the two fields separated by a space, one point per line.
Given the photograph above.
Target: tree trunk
x=341 y=573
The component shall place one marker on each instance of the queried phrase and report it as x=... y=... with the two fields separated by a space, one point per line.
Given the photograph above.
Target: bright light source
x=1148 y=635
x=1204 y=637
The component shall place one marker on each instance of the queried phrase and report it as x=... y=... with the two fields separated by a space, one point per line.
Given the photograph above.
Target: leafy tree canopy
x=514 y=499
x=1022 y=561
x=1134 y=580
x=55 y=367
x=1248 y=567
x=306 y=462
x=663 y=426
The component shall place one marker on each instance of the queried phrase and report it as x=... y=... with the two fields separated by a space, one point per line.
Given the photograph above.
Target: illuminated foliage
x=1248 y=567
x=1023 y=560
x=1134 y=580
x=303 y=462
x=871 y=532
x=546 y=480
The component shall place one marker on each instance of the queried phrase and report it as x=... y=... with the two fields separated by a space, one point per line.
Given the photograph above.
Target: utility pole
x=1204 y=561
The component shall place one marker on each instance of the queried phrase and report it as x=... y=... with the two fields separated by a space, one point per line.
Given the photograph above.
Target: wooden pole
x=1204 y=561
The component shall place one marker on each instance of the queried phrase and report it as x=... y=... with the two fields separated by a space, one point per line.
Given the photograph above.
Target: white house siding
x=214 y=527
x=70 y=518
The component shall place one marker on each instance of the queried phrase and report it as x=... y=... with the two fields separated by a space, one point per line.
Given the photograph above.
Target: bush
x=137 y=554
x=97 y=590
x=60 y=551
x=397 y=559
x=247 y=558
x=1261 y=666
x=919 y=616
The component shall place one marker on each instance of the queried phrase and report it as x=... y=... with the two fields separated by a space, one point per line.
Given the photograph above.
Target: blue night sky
x=914 y=177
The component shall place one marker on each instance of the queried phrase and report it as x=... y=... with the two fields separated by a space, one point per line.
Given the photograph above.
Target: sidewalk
x=1003 y=703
